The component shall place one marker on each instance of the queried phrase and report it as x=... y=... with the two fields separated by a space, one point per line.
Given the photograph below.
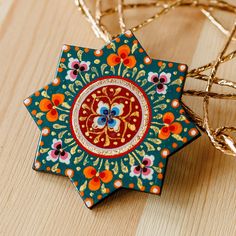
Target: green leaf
x=54 y=168
x=115 y=169
x=113 y=46
x=103 y=189
x=39 y=115
x=177 y=81
x=44 y=94
x=83 y=186
x=181 y=118
x=78 y=159
x=95 y=163
x=78 y=83
x=44 y=150
x=57 y=126
x=87 y=77
x=157 y=169
x=71 y=87
x=103 y=67
x=62 y=117
x=140 y=74
x=131 y=160
x=141 y=153
x=62 y=65
x=73 y=149
x=68 y=140
x=134 y=47
x=140 y=183
x=66 y=105
x=124 y=167
x=107 y=165
x=158 y=116
x=135 y=69
x=94 y=69
x=61 y=134
x=177 y=137
x=155 y=140
x=79 y=54
x=155 y=129
x=149 y=146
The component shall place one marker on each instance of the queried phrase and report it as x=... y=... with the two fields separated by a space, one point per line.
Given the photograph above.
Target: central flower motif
x=108 y=116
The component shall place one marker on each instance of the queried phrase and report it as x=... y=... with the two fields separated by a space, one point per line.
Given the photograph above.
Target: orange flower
x=169 y=126
x=48 y=106
x=97 y=177
x=122 y=57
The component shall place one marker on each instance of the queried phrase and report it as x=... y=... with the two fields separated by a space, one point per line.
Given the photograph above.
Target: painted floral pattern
x=75 y=66
x=58 y=153
x=111 y=118
x=108 y=116
x=50 y=106
x=144 y=169
x=123 y=56
x=161 y=81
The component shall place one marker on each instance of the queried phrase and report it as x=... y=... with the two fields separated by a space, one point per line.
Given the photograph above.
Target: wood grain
x=199 y=196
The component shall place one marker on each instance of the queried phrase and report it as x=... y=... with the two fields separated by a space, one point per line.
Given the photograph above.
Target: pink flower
x=74 y=67
x=160 y=81
x=144 y=169
x=58 y=153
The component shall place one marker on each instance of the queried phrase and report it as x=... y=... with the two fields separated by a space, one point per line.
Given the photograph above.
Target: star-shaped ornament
x=111 y=118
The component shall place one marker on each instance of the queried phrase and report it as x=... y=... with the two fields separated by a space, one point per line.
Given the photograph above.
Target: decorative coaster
x=111 y=118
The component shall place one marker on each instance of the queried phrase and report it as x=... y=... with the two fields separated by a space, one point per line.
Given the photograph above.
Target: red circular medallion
x=110 y=117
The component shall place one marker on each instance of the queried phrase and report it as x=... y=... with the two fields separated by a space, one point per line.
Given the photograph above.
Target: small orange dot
x=48 y=168
x=174 y=145
x=117 y=40
x=76 y=48
x=161 y=165
x=46 y=87
x=63 y=59
x=131 y=185
x=81 y=194
x=109 y=46
x=37 y=93
x=60 y=69
x=140 y=50
x=41 y=143
x=182 y=111
x=107 y=190
x=99 y=197
x=76 y=183
x=181 y=78
x=185 y=139
x=34 y=112
x=142 y=188
x=159 y=63
x=178 y=89
x=86 y=49
x=170 y=65
x=187 y=121
x=58 y=171
x=160 y=176
x=135 y=41
x=39 y=122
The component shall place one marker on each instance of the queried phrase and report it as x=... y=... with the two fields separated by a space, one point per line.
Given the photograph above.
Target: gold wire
x=219 y=137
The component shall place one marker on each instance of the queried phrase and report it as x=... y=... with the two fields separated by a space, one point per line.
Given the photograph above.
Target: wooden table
x=199 y=195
